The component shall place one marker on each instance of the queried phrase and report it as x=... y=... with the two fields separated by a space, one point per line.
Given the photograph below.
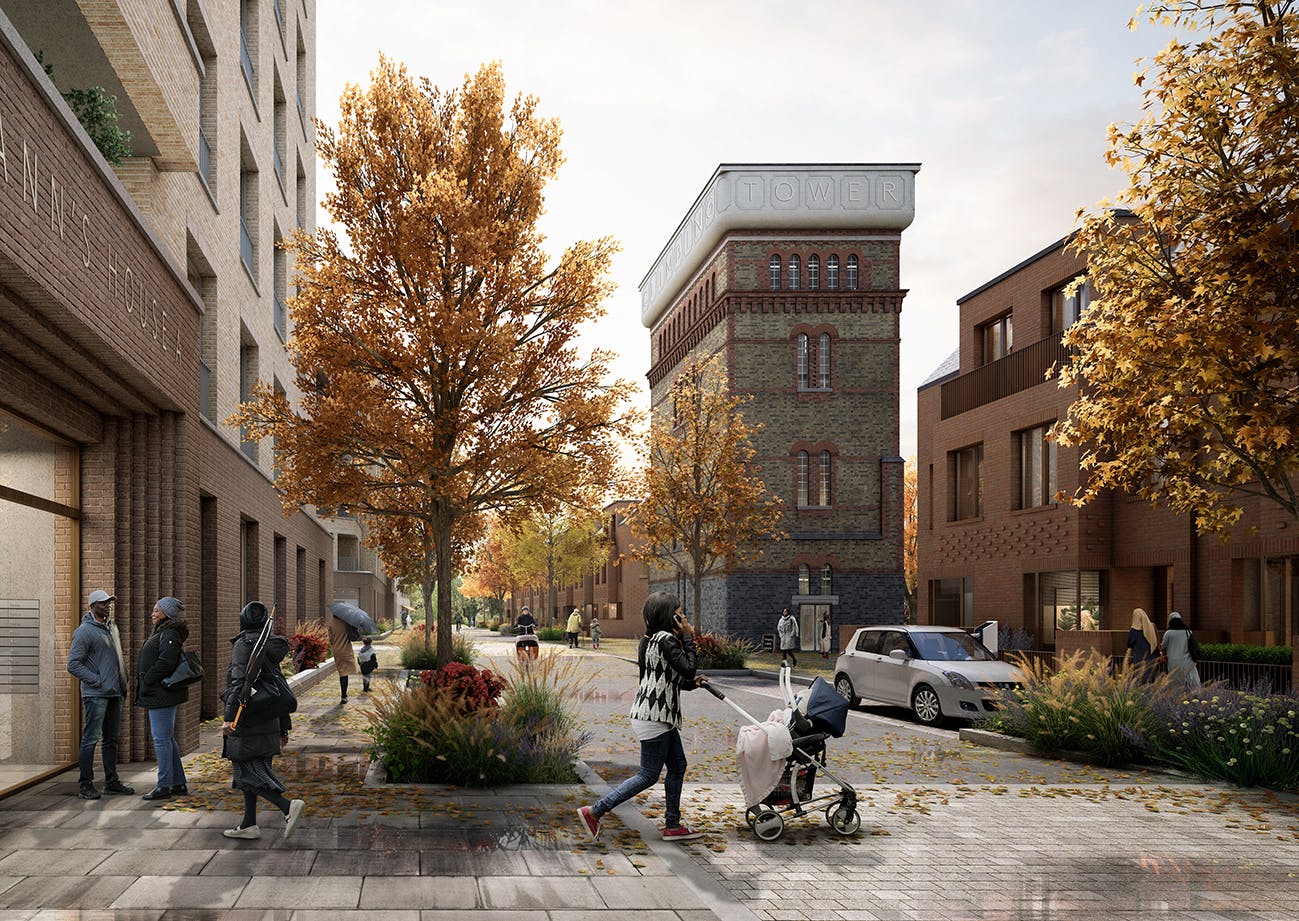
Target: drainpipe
x=1193 y=570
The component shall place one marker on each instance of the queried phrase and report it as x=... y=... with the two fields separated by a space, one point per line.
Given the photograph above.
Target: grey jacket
x=93 y=661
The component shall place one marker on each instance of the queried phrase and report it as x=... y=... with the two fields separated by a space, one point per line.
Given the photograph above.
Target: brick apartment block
x=995 y=545
x=137 y=306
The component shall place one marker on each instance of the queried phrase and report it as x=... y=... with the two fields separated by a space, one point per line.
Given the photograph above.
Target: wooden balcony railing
x=1021 y=369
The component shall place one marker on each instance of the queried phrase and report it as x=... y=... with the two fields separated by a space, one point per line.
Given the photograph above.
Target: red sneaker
x=590 y=821
x=681 y=833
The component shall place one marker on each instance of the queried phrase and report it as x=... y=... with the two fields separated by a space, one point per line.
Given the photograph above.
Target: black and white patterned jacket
x=667 y=667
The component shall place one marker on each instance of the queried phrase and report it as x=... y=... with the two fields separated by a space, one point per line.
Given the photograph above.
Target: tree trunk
x=699 y=592
x=426 y=585
x=442 y=538
x=550 y=587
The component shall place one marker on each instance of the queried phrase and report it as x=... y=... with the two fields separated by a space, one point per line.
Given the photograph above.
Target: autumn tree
x=558 y=549
x=435 y=341
x=489 y=574
x=703 y=503
x=910 y=527
x=1188 y=357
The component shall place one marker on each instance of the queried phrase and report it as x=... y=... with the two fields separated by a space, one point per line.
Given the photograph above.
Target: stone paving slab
x=295 y=892
x=182 y=892
x=53 y=862
x=441 y=892
x=538 y=892
x=155 y=862
x=65 y=892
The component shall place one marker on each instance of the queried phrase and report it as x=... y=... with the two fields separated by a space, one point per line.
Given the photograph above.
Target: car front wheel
x=843 y=684
x=926 y=706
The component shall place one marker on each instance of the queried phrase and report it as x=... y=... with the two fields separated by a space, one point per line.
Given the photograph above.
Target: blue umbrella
x=354 y=617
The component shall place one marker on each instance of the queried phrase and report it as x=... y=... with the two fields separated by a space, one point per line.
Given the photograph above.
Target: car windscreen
x=950 y=647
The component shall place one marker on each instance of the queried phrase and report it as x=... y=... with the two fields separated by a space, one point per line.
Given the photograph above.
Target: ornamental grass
x=417 y=656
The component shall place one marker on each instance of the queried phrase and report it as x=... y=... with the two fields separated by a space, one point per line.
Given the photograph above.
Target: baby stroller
x=820 y=713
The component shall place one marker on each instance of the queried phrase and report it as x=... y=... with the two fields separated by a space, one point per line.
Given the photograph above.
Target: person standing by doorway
x=95 y=659
x=159 y=656
x=825 y=635
x=787 y=638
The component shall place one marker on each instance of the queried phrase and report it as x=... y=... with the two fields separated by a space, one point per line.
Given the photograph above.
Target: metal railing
x=205 y=159
x=1242 y=676
x=246 y=246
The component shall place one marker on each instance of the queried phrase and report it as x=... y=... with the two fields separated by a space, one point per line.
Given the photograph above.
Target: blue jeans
x=162 y=726
x=654 y=754
x=103 y=719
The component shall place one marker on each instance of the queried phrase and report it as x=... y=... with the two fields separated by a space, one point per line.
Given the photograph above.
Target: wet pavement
x=950 y=831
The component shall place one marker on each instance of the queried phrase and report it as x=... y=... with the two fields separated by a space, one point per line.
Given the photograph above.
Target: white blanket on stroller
x=761 y=749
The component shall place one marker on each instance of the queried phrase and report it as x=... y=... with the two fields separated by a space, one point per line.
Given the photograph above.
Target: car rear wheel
x=843 y=684
x=926 y=706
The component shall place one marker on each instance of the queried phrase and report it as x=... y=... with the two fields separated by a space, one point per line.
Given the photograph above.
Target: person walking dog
x=159 y=656
x=95 y=659
x=667 y=667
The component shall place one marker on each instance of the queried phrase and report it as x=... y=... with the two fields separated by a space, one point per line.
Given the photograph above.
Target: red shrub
x=471 y=688
x=308 y=650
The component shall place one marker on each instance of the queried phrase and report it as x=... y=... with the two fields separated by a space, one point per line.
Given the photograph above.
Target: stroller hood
x=825 y=708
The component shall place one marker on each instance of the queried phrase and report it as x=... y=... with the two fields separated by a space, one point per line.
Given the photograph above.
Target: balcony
x=281 y=317
x=1018 y=371
x=246 y=61
x=205 y=160
x=246 y=247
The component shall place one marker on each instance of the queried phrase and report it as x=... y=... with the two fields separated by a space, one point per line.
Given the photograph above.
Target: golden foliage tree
x=1189 y=360
x=558 y=549
x=490 y=575
x=910 y=526
x=436 y=342
x=703 y=503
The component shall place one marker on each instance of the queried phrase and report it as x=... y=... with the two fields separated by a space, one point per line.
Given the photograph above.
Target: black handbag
x=271 y=694
x=189 y=670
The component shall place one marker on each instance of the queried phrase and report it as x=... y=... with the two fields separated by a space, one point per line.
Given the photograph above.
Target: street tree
x=435 y=340
x=703 y=504
x=1188 y=357
x=557 y=549
x=910 y=525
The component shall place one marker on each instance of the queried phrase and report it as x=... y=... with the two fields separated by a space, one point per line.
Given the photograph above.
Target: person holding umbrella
x=249 y=740
x=347 y=625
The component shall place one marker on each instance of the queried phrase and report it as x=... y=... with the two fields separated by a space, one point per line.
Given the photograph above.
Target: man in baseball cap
x=95 y=659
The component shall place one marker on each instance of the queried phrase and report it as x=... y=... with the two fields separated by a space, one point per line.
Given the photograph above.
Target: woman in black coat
x=158 y=658
x=251 y=746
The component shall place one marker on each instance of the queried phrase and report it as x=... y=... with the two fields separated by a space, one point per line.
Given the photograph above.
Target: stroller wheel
x=768 y=825
x=751 y=814
x=843 y=820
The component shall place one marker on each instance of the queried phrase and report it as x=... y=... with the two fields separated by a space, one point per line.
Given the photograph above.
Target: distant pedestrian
x=595 y=632
x=95 y=659
x=1176 y=649
x=251 y=746
x=666 y=659
x=787 y=636
x=526 y=646
x=574 y=628
x=460 y=621
x=1142 y=645
x=341 y=637
x=159 y=656
x=825 y=636
x=368 y=660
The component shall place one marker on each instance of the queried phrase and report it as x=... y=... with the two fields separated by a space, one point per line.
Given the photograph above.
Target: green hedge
x=1243 y=652
x=551 y=633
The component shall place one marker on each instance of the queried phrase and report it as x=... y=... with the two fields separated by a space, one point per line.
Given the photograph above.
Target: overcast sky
x=1004 y=103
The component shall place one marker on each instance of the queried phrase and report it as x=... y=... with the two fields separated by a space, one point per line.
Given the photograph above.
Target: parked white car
x=939 y=672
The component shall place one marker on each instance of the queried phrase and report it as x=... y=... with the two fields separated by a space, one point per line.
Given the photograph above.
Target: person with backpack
x=259 y=735
x=1179 y=648
x=667 y=667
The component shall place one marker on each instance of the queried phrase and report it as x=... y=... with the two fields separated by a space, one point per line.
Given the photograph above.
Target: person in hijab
x=252 y=745
x=158 y=658
x=1176 y=650
x=1142 y=643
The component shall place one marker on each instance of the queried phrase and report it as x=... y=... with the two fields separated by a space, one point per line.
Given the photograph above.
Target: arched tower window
x=851 y=271
x=823 y=362
x=804 y=360
x=795 y=270
x=825 y=479
x=804 y=579
x=813 y=272
x=832 y=273
x=827 y=579
x=804 y=474
x=774 y=268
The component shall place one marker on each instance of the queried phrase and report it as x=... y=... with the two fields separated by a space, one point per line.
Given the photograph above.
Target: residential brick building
x=993 y=542
x=789 y=273
x=138 y=304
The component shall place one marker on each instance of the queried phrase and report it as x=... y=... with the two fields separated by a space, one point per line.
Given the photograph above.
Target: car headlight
x=959 y=680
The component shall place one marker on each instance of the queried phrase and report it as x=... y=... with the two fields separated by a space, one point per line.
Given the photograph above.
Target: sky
x=1004 y=103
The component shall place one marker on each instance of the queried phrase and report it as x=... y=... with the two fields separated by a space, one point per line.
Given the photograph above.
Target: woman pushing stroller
x=666 y=659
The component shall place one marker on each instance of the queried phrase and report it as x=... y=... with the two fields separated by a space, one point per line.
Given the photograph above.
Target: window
x=827 y=583
x=952 y=602
x=795 y=270
x=823 y=362
x=1070 y=600
x=804 y=473
x=824 y=497
x=1067 y=308
x=247 y=377
x=279 y=135
x=300 y=83
x=804 y=360
x=280 y=292
x=850 y=282
x=813 y=363
x=248 y=43
x=814 y=272
x=832 y=273
x=869 y=641
x=804 y=579
x=1037 y=467
x=774 y=269
x=998 y=338
x=965 y=483
x=248 y=218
